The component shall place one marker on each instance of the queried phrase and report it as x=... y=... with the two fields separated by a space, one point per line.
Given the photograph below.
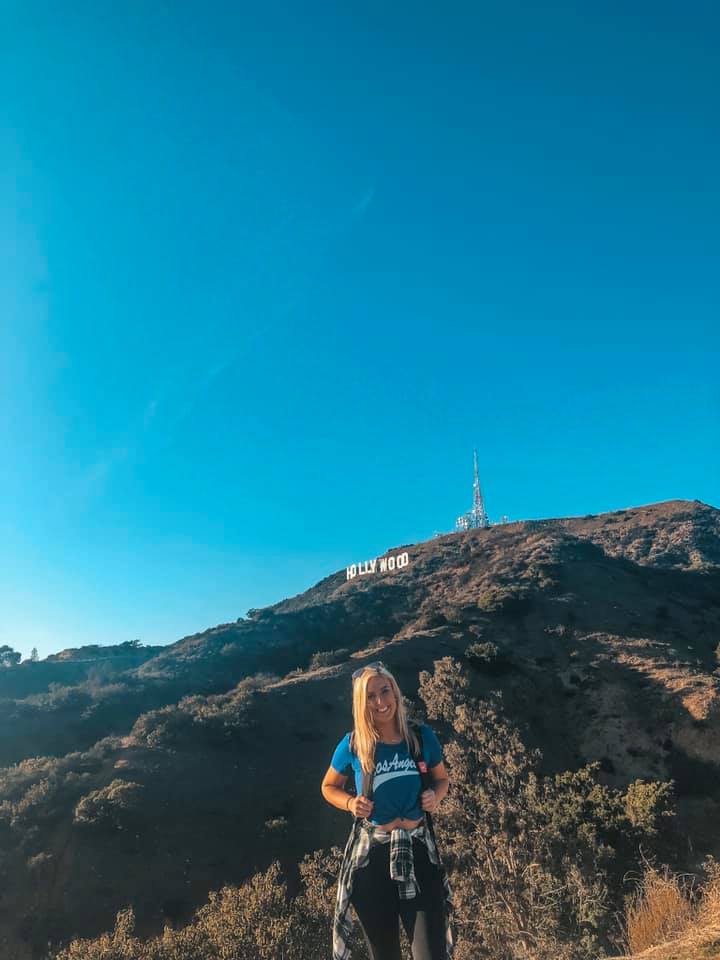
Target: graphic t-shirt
x=396 y=784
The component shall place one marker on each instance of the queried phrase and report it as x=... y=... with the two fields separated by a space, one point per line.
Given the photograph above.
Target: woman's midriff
x=399 y=822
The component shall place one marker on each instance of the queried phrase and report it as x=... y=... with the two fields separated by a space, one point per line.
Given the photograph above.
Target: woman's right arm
x=333 y=789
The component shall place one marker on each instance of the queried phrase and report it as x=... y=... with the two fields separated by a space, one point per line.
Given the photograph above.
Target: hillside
x=606 y=629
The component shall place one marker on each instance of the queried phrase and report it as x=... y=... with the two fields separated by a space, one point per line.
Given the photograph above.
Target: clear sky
x=268 y=273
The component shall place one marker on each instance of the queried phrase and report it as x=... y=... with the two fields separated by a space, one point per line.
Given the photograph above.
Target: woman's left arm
x=430 y=799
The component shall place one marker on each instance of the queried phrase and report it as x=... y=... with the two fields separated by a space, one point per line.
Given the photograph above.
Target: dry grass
x=670 y=919
x=659 y=911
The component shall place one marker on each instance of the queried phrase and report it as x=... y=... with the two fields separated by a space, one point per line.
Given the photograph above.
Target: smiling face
x=381 y=701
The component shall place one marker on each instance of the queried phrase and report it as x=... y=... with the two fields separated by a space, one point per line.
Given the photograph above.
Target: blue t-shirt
x=396 y=784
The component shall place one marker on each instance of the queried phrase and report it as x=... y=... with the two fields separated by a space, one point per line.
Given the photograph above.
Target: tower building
x=476 y=517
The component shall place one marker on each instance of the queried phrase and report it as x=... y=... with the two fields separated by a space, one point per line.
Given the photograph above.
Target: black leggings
x=378 y=907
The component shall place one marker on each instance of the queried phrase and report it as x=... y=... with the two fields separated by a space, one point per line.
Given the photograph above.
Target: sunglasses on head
x=374 y=665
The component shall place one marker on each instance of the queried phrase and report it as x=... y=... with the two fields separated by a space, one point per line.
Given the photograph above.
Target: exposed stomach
x=399 y=822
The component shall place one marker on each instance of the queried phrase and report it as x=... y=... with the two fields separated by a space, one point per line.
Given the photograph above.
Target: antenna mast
x=475 y=518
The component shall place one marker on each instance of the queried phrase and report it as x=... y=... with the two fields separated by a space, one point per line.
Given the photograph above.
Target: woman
x=391 y=868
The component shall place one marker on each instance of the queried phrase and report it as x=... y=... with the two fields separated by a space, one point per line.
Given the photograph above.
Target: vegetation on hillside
x=536 y=863
x=215 y=720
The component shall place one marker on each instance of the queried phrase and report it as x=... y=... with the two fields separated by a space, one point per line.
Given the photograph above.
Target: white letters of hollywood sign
x=381 y=565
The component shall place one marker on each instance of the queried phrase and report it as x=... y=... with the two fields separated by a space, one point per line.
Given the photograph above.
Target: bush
x=112 y=807
x=327 y=658
x=276 y=825
x=486 y=656
x=40 y=863
x=163 y=728
x=251 y=921
x=481 y=654
x=642 y=802
x=61 y=697
x=513 y=601
x=34 y=804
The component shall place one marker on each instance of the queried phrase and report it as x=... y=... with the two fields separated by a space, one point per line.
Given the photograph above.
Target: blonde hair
x=365 y=736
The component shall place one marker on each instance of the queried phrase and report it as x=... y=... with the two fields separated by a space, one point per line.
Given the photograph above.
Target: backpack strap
x=367 y=778
x=426 y=780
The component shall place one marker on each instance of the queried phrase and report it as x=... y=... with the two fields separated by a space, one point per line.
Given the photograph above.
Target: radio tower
x=475 y=518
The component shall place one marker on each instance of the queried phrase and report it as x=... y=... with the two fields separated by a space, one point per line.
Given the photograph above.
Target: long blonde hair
x=365 y=736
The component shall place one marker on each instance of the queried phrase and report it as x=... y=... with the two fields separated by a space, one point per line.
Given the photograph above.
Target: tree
x=8 y=656
x=34 y=655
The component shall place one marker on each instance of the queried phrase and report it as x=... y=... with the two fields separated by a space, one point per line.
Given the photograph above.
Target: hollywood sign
x=380 y=565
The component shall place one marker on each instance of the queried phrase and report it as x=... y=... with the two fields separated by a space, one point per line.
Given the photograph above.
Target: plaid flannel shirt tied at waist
x=402 y=863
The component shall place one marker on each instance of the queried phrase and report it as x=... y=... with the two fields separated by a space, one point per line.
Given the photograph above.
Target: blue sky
x=268 y=273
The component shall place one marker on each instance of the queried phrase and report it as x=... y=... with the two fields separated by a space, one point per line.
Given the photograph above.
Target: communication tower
x=475 y=518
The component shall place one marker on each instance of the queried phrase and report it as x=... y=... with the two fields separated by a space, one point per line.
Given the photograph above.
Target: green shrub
x=327 y=658
x=113 y=807
x=40 y=864
x=276 y=825
x=35 y=802
x=486 y=656
x=511 y=600
x=166 y=727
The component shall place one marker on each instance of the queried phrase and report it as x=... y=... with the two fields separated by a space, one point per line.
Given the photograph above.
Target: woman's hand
x=361 y=806
x=429 y=801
